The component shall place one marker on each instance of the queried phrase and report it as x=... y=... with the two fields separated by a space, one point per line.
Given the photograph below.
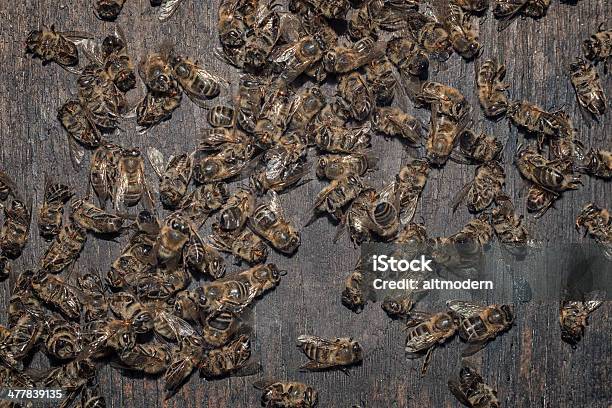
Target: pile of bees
x=143 y=315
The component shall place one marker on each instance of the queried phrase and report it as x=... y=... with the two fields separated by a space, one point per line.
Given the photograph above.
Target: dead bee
x=415 y=237
x=408 y=57
x=148 y=358
x=442 y=137
x=24 y=336
x=203 y=258
x=326 y=354
x=508 y=10
x=597 y=223
x=383 y=215
x=71 y=376
x=300 y=56
x=337 y=195
x=231 y=359
x=216 y=139
x=95 y=304
x=355 y=96
x=551 y=175
x=167 y=8
x=342 y=60
x=378 y=14
x=307 y=105
x=539 y=200
x=477 y=148
x=536 y=120
x=65 y=248
x=117 y=62
x=201 y=202
x=463 y=36
x=589 y=92
x=573 y=318
x=243 y=244
x=599 y=47
x=507 y=226
x=228 y=162
x=131 y=182
x=221 y=116
x=161 y=284
x=269 y=222
x=173 y=177
x=99 y=95
x=51 y=212
x=173 y=236
x=479 y=193
x=443 y=98
x=357 y=217
x=473 y=6
x=262 y=37
x=94 y=219
x=336 y=166
x=186 y=306
x=248 y=101
x=480 y=324
x=126 y=306
x=103 y=171
x=381 y=79
x=342 y=139
x=353 y=295
x=156 y=108
x=105 y=336
x=491 y=88
x=53 y=291
x=426 y=331
x=158 y=74
x=236 y=210
x=63 y=339
x=288 y=394
x=55 y=46
x=598 y=163
x=471 y=390
x=275 y=113
x=219 y=327
x=392 y=121
x=231 y=25
x=398 y=307
x=430 y=34
x=16 y=228
x=335 y=9
x=199 y=84
x=80 y=128
x=108 y=10
x=285 y=166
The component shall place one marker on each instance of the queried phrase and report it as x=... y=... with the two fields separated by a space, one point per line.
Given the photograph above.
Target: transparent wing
x=168 y=8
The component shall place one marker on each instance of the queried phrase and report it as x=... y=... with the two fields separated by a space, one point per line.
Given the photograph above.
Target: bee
x=336 y=166
x=508 y=10
x=307 y=105
x=539 y=200
x=51 y=211
x=221 y=116
x=248 y=101
x=131 y=182
x=480 y=324
x=492 y=93
x=342 y=139
x=443 y=136
x=398 y=307
x=477 y=148
x=599 y=47
x=219 y=327
x=335 y=9
x=597 y=223
x=598 y=163
x=275 y=113
x=236 y=210
x=430 y=34
x=203 y=257
x=90 y=397
x=158 y=74
x=199 y=84
x=354 y=295
x=204 y=200
x=342 y=60
x=216 y=139
x=186 y=306
x=55 y=46
x=71 y=376
x=230 y=25
x=392 y=121
x=80 y=128
x=63 y=339
x=508 y=226
x=243 y=244
x=108 y=10
x=173 y=236
x=381 y=80
x=225 y=164
x=162 y=283
x=24 y=336
x=103 y=171
x=105 y=336
x=355 y=96
x=173 y=178
x=16 y=228
x=95 y=304
x=337 y=195
x=378 y=14
x=573 y=318
x=383 y=214
x=285 y=166
x=357 y=217
x=127 y=307
x=443 y=98
x=287 y=394
x=65 y=248
x=7 y=186
x=150 y=358
x=471 y=390
x=156 y=108
x=23 y=301
x=551 y=175
x=535 y=120
x=479 y=193
x=589 y=92
x=411 y=181
x=425 y=331
x=117 y=62
x=325 y=354
x=104 y=102
x=462 y=34
x=230 y=359
x=94 y=219
x=408 y=57
x=53 y=291
x=269 y=222
x=262 y=37
x=473 y=6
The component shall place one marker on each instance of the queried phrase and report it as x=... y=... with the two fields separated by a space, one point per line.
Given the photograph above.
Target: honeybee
x=408 y=57
x=201 y=202
x=131 y=182
x=157 y=73
x=162 y=283
x=156 y=108
x=337 y=195
x=430 y=34
x=269 y=222
x=381 y=80
x=16 y=228
x=285 y=166
x=275 y=113
x=293 y=59
x=324 y=354
x=375 y=14
x=55 y=46
x=105 y=336
x=150 y=358
x=573 y=318
x=262 y=37
x=598 y=163
x=425 y=331
x=243 y=244
x=471 y=390
x=392 y=121
x=221 y=116
x=357 y=217
x=307 y=105
x=104 y=102
x=443 y=136
x=346 y=59
x=108 y=9
x=94 y=219
x=117 y=62
x=231 y=359
x=227 y=163
x=384 y=211
x=355 y=96
x=248 y=101
x=354 y=295
x=599 y=47
x=477 y=148
x=287 y=394
x=203 y=258
x=24 y=336
x=398 y=307
x=480 y=324
x=199 y=84
x=336 y=166
x=508 y=226
x=71 y=376
x=103 y=171
x=173 y=178
x=491 y=88
x=597 y=223
x=473 y=6
x=342 y=139
x=508 y=10
x=334 y=9
x=135 y=260
x=7 y=186
x=535 y=120
x=231 y=25
x=95 y=305
x=445 y=99
x=479 y=193
x=127 y=307
x=63 y=339
x=219 y=327
x=80 y=128
x=589 y=92
x=554 y=176
x=51 y=211
x=539 y=200
x=173 y=236
x=236 y=210
x=410 y=182
x=463 y=36
x=53 y=291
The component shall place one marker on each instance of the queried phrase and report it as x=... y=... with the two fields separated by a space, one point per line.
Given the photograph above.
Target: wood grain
x=530 y=366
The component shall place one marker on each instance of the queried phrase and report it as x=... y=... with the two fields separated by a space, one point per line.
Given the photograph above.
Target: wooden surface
x=530 y=366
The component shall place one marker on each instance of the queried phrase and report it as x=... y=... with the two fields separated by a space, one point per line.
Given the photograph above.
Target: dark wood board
x=530 y=366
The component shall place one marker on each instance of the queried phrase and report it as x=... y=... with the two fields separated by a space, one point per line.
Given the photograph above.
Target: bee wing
x=507 y=19
x=168 y=8
x=455 y=388
x=156 y=158
x=417 y=317
x=463 y=308
x=179 y=326
x=77 y=152
x=473 y=348
x=461 y=194
x=317 y=341
x=121 y=188
x=274 y=203
x=178 y=371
